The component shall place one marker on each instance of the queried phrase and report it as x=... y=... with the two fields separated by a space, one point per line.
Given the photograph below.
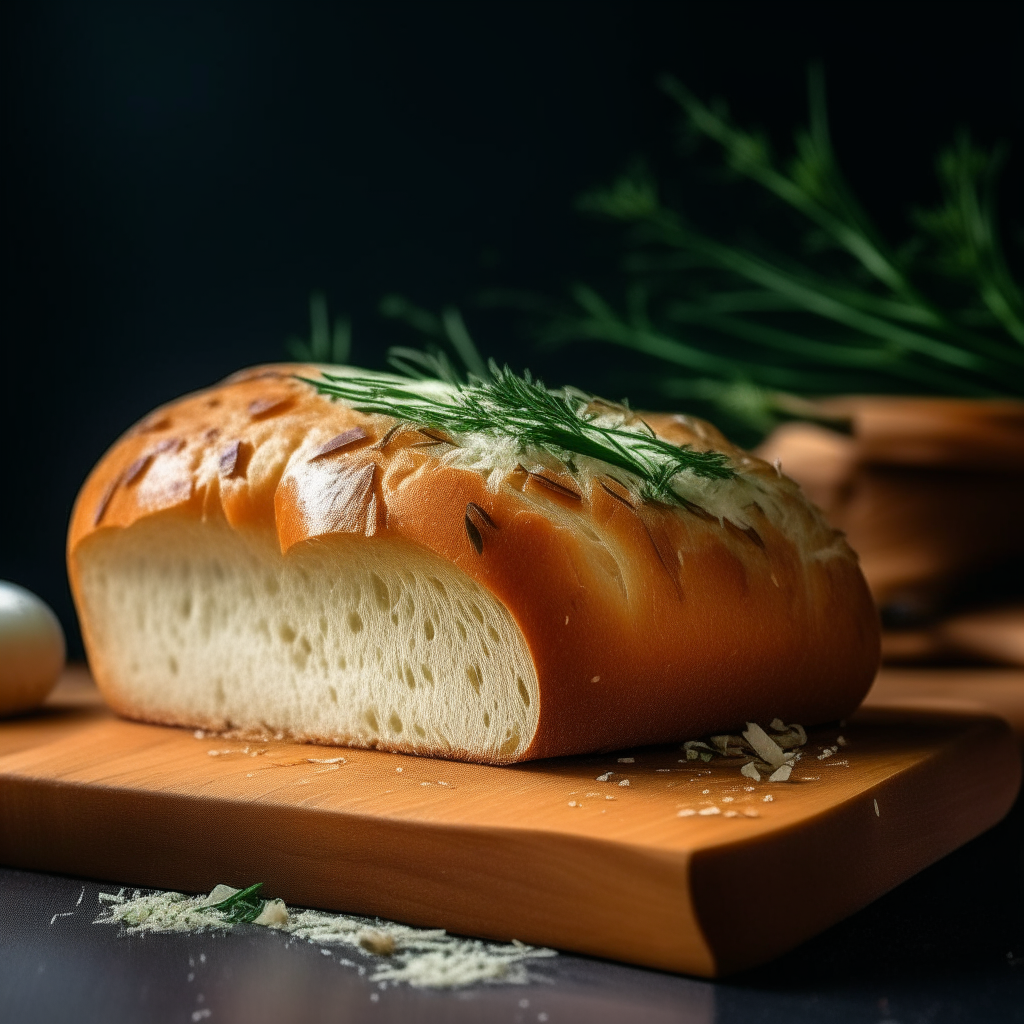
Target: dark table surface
x=946 y=946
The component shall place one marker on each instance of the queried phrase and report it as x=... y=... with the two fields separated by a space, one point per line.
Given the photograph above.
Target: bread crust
x=646 y=623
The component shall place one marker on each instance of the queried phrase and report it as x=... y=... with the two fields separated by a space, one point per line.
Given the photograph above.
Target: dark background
x=177 y=178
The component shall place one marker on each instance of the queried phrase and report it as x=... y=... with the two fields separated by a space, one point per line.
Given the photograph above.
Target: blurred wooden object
x=995 y=635
x=995 y=690
x=929 y=492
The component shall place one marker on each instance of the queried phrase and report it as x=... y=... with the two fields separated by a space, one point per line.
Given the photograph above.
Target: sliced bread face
x=350 y=640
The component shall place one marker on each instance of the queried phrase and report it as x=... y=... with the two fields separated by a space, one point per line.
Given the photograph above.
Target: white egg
x=31 y=649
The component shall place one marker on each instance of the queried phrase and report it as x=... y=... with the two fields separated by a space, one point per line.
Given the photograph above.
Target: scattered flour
x=423 y=958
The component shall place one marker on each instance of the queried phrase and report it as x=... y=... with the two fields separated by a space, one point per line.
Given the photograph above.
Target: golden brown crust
x=646 y=623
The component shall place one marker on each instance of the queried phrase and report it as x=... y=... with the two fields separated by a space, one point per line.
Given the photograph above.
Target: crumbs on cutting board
x=757 y=755
x=421 y=957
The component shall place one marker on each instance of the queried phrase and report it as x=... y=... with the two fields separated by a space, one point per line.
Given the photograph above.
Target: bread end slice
x=345 y=640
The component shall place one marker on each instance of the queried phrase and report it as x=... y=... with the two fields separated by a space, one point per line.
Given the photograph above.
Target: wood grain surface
x=548 y=852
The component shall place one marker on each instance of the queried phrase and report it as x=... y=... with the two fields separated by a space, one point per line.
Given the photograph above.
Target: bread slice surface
x=360 y=643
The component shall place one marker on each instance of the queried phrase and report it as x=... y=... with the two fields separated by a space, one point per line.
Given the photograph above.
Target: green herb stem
x=561 y=422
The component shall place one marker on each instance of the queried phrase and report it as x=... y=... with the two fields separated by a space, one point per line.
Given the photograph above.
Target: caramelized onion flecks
x=228 y=461
x=753 y=535
x=339 y=443
x=477 y=512
x=554 y=485
x=387 y=437
x=434 y=439
x=260 y=407
x=153 y=423
x=617 y=497
x=101 y=507
x=136 y=469
x=474 y=535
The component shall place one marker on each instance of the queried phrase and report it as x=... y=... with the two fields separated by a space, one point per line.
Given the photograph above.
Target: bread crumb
x=768 y=798
x=274 y=914
x=572 y=803
x=378 y=943
x=596 y=679
x=624 y=782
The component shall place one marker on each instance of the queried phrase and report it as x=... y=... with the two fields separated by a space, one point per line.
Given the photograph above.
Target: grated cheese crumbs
x=605 y=777
x=624 y=782
x=688 y=812
x=423 y=958
x=709 y=810
x=768 y=798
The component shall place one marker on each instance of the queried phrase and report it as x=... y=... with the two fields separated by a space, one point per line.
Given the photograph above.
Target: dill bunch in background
x=752 y=331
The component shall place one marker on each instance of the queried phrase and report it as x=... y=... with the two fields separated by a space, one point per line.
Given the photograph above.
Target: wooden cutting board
x=554 y=852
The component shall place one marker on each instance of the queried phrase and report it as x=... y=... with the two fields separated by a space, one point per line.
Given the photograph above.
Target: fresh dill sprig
x=566 y=423
x=242 y=907
x=750 y=328
x=325 y=345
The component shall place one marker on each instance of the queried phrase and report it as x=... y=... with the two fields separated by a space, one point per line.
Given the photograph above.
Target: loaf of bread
x=259 y=557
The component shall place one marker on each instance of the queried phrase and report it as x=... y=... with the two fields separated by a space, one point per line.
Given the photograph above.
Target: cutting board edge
x=714 y=901
x=668 y=938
